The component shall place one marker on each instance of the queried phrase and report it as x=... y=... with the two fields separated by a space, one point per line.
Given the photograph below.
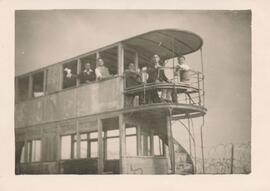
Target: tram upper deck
x=47 y=95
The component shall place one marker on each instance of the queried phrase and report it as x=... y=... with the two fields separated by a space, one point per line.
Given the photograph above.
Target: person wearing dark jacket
x=87 y=75
x=155 y=74
x=132 y=79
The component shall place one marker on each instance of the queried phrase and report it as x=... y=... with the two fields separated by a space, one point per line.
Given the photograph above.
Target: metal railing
x=183 y=91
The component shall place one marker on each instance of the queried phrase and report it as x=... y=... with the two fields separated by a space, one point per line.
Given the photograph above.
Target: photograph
x=156 y=92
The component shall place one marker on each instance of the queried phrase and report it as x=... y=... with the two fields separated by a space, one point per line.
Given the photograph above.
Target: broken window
x=23 y=88
x=68 y=147
x=131 y=141
x=38 y=84
x=70 y=74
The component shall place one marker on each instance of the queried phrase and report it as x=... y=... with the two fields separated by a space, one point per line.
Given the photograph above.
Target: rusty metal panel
x=19 y=115
x=35 y=111
x=54 y=78
x=98 y=97
x=33 y=132
x=67 y=127
x=87 y=125
x=51 y=109
x=146 y=165
x=66 y=104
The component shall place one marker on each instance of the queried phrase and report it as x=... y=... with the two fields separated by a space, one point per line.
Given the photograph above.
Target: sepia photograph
x=156 y=92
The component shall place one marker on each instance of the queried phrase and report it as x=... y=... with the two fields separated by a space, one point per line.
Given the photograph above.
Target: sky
x=43 y=38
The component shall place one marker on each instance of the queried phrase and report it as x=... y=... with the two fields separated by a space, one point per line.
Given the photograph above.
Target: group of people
x=88 y=74
x=152 y=73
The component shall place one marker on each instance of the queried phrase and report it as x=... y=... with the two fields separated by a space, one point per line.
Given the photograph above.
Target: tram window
x=88 y=145
x=113 y=150
x=38 y=84
x=145 y=144
x=131 y=141
x=110 y=59
x=23 y=88
x=83 y=147
x=33 y=151
x=68 y=147
x=70 y=74
x=112 y=141
x=158 y=146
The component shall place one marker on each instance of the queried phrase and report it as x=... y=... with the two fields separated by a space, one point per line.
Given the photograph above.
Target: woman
x=101 y=71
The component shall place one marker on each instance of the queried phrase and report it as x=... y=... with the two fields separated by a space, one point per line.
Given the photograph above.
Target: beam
x=170 y=141
x=122 y=137
x=100 y=148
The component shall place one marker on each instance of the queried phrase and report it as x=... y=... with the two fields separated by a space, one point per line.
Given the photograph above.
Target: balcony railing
x=183 y=91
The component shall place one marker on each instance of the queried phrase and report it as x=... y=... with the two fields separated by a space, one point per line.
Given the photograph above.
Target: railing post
x=199 y=88
x=170 y=141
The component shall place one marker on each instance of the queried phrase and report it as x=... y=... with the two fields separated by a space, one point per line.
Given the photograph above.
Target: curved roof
x=167 y=43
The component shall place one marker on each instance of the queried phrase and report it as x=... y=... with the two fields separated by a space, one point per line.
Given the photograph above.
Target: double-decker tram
x=110 y=111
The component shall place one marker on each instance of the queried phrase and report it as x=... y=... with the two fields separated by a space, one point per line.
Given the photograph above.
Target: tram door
x=111 y=145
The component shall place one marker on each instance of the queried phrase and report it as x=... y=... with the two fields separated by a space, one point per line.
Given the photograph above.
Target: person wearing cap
x=87 y=75
x=101 y=71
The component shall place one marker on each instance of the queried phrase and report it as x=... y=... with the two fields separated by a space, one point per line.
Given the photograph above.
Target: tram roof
x=167 y=43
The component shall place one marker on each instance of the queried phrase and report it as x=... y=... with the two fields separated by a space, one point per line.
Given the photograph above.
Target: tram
x=64 y=126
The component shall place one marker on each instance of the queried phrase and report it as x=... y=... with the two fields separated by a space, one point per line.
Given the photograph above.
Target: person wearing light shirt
x=101 y=71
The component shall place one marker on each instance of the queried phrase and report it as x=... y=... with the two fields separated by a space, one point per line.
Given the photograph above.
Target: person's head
x=87 y=66
x=132 y=67
x=100 y=62
x=181 y=59
x=156 y=58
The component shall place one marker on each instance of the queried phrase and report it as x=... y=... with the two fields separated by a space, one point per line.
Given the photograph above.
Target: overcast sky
x=45 y=37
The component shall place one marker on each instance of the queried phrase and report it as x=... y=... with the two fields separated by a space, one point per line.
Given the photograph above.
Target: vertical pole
x=170 y=141
x=100 y=148
x=199 y=89
x=121 y=73
x=78 y=71
x=202 y=149
x=45 y=81
x=151 y=142
x=30 y=90
x=136 y=60
x=139 y=150
x=202 y=70
x=78 y=145
x=122 y=144
x=232 y=156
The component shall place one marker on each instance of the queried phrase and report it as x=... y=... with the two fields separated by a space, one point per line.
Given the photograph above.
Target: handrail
x=191 y=88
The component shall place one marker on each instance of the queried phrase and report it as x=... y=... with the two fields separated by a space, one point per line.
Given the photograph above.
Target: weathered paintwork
x=76 y=102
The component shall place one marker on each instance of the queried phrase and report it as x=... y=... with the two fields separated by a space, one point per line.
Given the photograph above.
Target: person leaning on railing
x=133 y=79
x=87 y=75
x=182 y=69
x=101 y=71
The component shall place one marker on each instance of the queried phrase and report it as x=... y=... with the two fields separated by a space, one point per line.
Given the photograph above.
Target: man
x=181 y=74
x=156 y=74
x=101 y=71
x=87 y=75
x=182 y=69
x=132 y=79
